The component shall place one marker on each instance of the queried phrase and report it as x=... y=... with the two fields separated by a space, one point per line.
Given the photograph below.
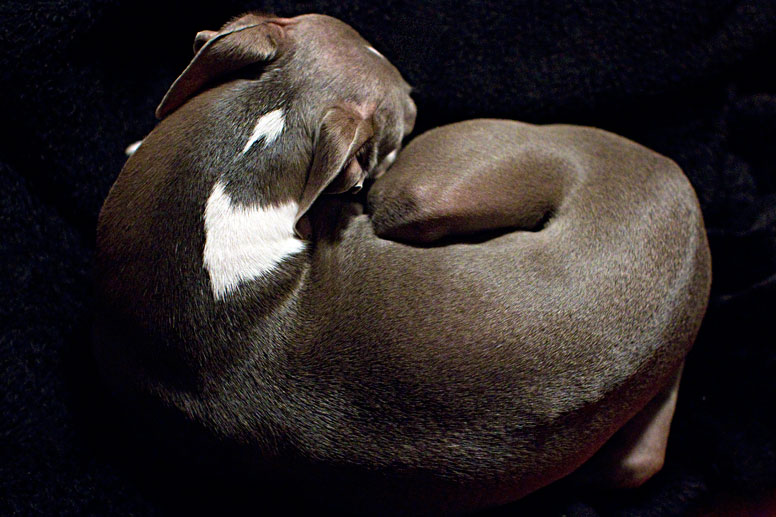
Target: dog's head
x=349 y=99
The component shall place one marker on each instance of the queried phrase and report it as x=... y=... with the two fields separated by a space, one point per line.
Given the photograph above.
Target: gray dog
x=508 y=297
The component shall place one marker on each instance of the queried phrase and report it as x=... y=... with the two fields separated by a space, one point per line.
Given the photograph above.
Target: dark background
x=694 y=80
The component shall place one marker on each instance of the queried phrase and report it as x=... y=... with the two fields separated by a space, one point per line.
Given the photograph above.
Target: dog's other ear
x=335 y=168
x=203 y=37
x=220 y=53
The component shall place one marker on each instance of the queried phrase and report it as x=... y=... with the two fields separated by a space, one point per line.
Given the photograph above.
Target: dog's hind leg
x=637 y=451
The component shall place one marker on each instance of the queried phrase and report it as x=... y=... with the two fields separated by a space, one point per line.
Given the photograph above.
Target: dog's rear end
x=502 y=365
x=447 y=377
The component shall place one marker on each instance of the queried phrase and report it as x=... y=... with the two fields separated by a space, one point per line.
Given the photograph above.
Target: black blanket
x=692 y=79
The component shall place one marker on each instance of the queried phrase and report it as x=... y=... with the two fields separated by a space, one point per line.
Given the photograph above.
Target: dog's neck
x=245 y=242
x=249 y=214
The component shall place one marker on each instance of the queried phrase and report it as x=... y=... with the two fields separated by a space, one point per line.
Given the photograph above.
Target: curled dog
x=386 y=343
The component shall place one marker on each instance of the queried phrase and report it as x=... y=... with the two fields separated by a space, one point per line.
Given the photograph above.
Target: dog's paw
x=131 y=148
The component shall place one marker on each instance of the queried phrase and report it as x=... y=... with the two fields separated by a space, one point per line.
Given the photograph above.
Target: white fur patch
x=269 y=127
x=387 y=162
x=245 y=242
x=374 y=51
x=391 y=157
x=131 y=148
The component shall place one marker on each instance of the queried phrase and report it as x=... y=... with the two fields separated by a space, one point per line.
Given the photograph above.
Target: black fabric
x=694 y=80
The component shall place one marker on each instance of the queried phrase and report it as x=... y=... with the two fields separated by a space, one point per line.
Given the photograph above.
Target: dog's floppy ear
x=219 y=53
x=335 y=168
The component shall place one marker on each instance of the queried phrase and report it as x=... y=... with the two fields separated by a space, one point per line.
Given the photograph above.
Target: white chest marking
x=374 y=51
x=269 y=127
x=245 y=242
